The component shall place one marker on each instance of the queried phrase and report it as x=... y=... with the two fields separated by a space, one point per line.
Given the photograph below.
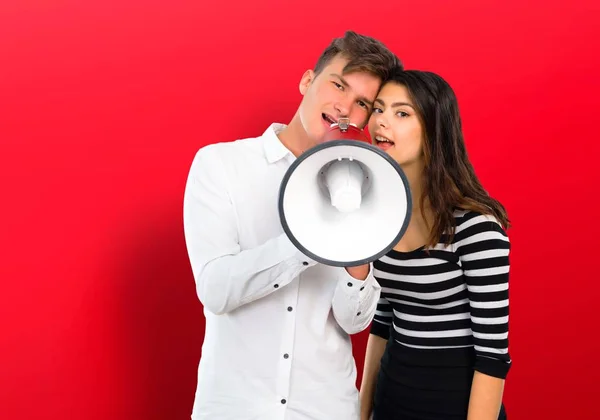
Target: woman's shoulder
x=479 y=235
x=463 y=215
x=471 y=222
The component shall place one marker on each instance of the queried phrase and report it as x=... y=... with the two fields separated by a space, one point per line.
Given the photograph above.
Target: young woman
x=438 y=348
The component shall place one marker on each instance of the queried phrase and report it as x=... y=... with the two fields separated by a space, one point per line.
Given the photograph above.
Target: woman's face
x=395 y=127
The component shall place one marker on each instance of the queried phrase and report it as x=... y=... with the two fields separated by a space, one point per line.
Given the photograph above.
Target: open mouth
x=381 y=141
x=328 y=119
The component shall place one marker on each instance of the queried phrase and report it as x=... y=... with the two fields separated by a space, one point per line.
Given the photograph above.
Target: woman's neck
x=419 y=228
x=414 y=174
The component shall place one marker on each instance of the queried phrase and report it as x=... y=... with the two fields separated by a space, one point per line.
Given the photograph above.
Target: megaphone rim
x=335 y=143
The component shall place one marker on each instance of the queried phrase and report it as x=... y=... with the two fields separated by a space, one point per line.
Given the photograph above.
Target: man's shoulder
x=233 y=150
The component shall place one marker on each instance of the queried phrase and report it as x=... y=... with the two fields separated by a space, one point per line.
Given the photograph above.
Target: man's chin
x=316 y=139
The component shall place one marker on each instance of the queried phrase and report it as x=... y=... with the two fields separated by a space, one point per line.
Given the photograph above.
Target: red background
x=104 y=103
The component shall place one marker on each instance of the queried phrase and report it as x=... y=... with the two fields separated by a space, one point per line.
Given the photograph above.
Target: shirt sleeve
x=227 y=277
x=483 y=248
x=355 y=301
x=382 y=322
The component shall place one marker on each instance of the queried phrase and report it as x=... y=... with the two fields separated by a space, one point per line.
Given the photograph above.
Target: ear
x=306 y=80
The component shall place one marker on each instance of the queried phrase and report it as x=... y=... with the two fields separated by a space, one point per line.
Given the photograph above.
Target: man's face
x=332 y=95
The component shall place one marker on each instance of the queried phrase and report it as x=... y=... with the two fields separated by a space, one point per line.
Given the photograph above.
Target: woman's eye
x=402 y=114
x=337 y=85
x=377 y=110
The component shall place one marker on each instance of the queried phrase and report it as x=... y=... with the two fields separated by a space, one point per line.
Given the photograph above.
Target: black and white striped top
x=452 y=297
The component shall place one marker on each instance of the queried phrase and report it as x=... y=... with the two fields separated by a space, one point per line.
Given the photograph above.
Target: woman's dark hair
x=450 y=182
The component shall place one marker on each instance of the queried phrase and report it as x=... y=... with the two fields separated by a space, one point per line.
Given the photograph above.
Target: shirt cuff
x=380 y=329
x=492 y=367
x=353 y=285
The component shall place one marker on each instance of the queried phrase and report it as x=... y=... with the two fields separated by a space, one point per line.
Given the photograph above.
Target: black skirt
x=417 y=384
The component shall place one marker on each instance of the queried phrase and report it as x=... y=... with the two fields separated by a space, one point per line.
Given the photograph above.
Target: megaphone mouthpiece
x=345 y=130
x=344 y=123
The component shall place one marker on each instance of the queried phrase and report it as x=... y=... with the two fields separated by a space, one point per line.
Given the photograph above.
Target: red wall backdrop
x=104 y=103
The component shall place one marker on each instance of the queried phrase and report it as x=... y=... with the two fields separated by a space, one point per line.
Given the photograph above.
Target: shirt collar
x=274 y=148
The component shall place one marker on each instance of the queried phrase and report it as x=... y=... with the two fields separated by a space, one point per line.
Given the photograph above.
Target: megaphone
x=344 y=202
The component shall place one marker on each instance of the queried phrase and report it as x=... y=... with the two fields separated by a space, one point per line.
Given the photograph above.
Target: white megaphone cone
x=344 y=202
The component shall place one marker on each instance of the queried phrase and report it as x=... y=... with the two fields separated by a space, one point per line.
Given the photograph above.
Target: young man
x=277 y=341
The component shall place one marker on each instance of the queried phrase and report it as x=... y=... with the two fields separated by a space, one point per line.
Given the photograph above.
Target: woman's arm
x=375 y=349
x=486 y=397
x=484 y=249
x=380 y=333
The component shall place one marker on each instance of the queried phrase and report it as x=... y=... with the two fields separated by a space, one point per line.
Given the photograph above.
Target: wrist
x=360 y=272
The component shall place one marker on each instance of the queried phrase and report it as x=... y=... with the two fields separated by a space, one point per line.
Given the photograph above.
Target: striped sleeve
x=382 y=322
x=483 y=248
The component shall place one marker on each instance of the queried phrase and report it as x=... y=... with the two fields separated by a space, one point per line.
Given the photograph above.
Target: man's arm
x=227 y=277
x=355 y=298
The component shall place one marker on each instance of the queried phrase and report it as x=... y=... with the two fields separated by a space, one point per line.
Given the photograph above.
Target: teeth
x=328 y=119
x=383 y=139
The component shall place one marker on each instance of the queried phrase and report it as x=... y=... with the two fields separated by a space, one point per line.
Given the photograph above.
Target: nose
x=344 y=105
x=342 y=109
x=381 y=121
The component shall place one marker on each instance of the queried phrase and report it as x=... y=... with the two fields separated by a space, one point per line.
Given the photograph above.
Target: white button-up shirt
x=277 y=344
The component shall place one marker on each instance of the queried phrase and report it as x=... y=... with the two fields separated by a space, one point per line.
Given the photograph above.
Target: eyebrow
x=395 y=104
x=345 y=83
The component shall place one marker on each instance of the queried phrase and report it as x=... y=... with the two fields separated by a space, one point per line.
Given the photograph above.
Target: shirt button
x=283 y=401
x=358 y=313
x=349 y=284
x=285 y=356
x=276 y=286
x=362 y=288
x=290 y=309
x=305 y=263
